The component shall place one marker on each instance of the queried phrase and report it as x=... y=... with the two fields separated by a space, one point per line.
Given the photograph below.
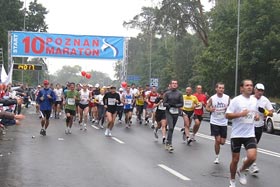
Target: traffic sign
x=154 y=82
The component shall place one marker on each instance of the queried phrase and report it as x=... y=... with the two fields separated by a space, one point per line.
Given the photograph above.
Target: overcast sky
x=90 y=17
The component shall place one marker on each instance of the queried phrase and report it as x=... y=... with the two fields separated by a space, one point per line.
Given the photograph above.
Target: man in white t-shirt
x=217 y=105
x=242 y=110
x=265 y=109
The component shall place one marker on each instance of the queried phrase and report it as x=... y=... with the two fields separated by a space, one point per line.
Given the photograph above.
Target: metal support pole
x=150 y=60
x=22 y=59
x=237 y=48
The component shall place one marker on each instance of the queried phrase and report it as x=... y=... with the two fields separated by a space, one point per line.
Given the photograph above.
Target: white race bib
x=128 y=101
x=70 y=101
x=220 y=115
x=249 y=118
x=188 y=104
x=111 y=101
x=153 y=99
x=161 y=107
x=199 y=106
x=174 y=110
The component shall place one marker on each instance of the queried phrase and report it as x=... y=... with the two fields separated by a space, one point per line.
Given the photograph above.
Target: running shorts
x=236 y=143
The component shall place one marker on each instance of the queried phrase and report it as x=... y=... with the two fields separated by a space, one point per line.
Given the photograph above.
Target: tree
x=259 y=45
x=73 y=74
x=14 y=17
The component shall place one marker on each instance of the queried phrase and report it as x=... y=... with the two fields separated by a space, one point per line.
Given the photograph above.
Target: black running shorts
x=217 y=130
x=249 y=143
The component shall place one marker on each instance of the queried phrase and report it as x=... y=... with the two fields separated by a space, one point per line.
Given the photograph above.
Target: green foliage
x=14 y=17
x=73 y=74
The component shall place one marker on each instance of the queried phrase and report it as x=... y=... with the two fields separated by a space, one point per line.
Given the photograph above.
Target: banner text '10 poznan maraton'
x=32 y=44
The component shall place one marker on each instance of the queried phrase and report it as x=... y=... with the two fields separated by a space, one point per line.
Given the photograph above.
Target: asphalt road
x=131 y=158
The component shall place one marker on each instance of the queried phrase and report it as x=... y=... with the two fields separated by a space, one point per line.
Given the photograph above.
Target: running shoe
x=155 y=133
x=254 y=169
x=101 y=126
x=81 y=127
x=163 y=140
x=242 y=177
x=120 y=121
x=193 y=138
x=216 y=161
x=152 y=126
x=167 y=146
x=170 y=149
x=85 y=127
x=231 y=183
x=184 y=136
x=66 y=131
x=107 y=132
x=110 y=134
x=43 y=132
x=189 y=141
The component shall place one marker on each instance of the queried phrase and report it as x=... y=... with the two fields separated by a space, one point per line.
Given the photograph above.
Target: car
x=273 y=123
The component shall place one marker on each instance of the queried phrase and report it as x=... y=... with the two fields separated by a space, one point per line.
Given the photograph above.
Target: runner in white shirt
x=217 y=105
x=265 y=108
x=100 y=108
x=242 y=110
x=58 y=103
x=84 y=106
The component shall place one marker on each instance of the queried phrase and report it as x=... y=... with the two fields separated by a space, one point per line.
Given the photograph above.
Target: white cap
x=120 y=89
x=97 y=85
x=259 y=86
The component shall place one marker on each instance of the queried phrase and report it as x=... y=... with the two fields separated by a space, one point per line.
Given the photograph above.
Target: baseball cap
x=97 y=85
x=46 y=82
x=120 y=89
x=39 y=86
x=259 y=86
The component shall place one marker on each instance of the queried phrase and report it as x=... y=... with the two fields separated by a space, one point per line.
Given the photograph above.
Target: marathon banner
x=37 y=44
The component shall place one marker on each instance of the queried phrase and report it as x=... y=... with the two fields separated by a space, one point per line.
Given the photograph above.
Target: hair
x=219 y=83
x=71 y=83
x=243 y=81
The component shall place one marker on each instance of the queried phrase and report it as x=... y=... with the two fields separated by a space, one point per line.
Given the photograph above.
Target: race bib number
x=199 y=106
x=249 y=118
x=128 y=101
x=153 y=99
x=161 y=107
x=71 y=101
x=220 y=115
x=111 y=101
x=174 y=110
x=188 y=104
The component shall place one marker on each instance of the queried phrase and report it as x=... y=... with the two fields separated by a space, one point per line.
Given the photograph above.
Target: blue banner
x=36 y=44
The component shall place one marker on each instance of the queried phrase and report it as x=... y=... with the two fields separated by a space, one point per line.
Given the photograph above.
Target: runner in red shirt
x=150 y=112
x=198 y=111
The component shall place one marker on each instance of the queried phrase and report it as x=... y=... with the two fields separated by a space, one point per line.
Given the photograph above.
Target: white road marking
x=173 y=172
x=264 y=151
x=95 y=127
x=117 y=140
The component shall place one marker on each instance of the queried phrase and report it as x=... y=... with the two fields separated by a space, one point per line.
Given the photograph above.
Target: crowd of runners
x=86 y=104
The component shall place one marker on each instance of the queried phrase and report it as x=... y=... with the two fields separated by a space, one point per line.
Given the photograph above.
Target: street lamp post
x=22 y=59
x=237 y=48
